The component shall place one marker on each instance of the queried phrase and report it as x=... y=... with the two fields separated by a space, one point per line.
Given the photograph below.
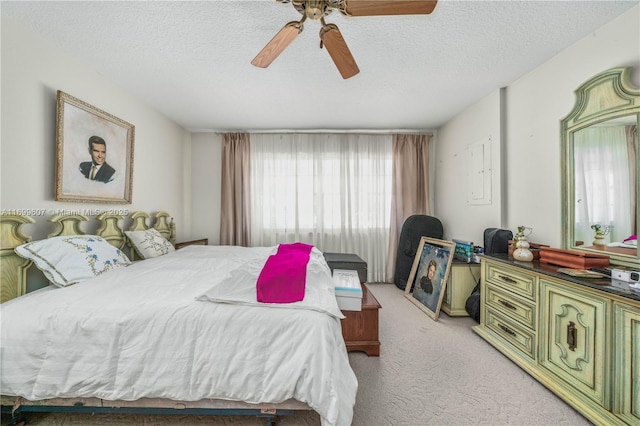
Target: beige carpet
x=429 y=373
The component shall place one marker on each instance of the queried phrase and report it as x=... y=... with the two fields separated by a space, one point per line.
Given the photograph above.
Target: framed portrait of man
x=94 y=154
x=429 y=274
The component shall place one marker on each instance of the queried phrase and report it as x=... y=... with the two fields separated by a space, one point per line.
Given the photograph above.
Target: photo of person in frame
x=106 y=174
x=97 y=169
x=426 y=281
x=430 y=276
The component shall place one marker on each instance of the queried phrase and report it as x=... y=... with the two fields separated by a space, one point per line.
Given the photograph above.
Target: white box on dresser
x=348 y=289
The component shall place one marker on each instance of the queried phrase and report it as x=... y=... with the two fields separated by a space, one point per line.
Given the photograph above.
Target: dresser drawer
x=511 y=306
x=573 y=339
x=514 y=280
x=518 y=337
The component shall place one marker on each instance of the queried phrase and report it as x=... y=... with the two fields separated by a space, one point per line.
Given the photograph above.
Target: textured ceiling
x=191 y=59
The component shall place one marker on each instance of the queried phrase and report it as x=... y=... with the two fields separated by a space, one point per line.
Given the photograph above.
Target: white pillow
x=69 y=259
x=149 y=243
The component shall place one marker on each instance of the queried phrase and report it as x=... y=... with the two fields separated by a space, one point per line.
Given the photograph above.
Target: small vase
x=522 y=251
x=599 y=239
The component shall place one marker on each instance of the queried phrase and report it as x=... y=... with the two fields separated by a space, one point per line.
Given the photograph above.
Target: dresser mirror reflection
x=600 y=182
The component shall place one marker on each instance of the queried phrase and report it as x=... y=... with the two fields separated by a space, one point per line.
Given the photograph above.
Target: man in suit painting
x=97 y=169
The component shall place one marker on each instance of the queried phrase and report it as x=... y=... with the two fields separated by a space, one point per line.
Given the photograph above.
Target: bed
x=179 y=332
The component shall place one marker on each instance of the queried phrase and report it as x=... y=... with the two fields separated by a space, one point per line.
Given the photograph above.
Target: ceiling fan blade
x=277 y=44
x=339 y=51
x=389 y=7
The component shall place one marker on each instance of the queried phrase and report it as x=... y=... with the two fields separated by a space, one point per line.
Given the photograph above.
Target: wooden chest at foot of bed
x=360 y=328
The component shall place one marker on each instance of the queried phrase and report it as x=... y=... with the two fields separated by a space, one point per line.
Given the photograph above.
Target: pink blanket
x=283 y=277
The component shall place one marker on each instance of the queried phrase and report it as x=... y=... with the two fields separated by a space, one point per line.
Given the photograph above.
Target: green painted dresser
x=579 y=338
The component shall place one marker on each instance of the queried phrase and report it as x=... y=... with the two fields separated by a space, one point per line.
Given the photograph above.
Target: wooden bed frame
x=13 y=283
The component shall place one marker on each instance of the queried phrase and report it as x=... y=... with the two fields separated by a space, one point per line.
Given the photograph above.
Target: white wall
x=32 y=72
x=460 y=219
x=206 y=162
x=533 y=107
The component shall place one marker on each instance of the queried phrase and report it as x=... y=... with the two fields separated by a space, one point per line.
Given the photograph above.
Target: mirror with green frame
x=600 y=179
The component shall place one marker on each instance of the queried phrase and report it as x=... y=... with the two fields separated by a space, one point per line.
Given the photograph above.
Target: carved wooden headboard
x=13 y=268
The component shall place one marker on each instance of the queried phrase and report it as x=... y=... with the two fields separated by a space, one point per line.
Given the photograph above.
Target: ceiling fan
x=330 y=35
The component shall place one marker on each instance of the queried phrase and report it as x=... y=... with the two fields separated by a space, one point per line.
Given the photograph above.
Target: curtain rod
x=328 y=131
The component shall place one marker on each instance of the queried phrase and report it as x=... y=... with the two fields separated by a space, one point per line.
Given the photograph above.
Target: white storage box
x=348 y=289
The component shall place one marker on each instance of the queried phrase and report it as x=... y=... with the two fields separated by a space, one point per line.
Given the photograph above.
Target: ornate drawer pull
x=508 y=279
x=507 y=304
x=507 y=330
x=572 y=335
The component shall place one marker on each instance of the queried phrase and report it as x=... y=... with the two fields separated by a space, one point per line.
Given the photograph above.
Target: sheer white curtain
x=329 y=190
x=602 y=182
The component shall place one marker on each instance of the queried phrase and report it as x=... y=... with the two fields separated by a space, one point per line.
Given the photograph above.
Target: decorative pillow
x=69 y=259
x=149 y=243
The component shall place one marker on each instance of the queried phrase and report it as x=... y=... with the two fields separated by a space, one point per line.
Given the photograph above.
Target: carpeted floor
x=428 y=373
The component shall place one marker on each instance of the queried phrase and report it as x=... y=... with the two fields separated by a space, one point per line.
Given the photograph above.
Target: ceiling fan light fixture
x=312 y=9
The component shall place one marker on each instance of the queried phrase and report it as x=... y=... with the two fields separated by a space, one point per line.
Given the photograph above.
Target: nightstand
x=463 y=277
x=200 y=242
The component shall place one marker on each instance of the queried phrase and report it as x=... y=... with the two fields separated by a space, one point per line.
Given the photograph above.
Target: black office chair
x=413 y=228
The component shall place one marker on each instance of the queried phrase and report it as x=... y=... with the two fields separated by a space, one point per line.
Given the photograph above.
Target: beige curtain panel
x=236 y=190
x=410 y=188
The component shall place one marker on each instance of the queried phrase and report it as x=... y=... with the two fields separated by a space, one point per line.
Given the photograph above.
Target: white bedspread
x=239 y=287
x=139 y=332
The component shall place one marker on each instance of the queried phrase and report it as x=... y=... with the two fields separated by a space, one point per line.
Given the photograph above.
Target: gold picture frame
x=86 y=137
x=427 y=281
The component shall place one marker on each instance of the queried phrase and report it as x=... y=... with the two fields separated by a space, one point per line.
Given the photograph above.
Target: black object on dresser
x=347 y=261
x=497 y=240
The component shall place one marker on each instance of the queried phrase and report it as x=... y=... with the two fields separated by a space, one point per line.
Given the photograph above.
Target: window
x=329 y=190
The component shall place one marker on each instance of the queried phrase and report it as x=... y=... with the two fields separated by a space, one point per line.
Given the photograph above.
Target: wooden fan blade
x=389 y=7
x=277 y=44
x=339 y=51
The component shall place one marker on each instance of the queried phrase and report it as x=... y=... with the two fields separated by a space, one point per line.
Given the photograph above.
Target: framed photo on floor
x=429 y=274
x=94 y=154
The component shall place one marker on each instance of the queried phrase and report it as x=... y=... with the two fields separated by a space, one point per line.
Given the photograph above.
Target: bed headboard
x=13 y=268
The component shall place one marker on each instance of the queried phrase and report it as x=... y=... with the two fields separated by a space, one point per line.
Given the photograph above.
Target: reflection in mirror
x=605 y=155
x=600 y=168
